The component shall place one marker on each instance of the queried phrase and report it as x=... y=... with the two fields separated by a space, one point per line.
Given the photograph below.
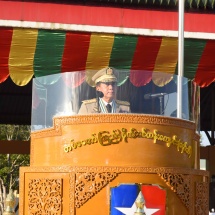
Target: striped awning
x=27 y=53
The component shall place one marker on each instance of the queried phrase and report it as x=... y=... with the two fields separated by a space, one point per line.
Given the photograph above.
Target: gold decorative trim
x=117 y=169
x=120 y=135
x=88 y=184
x=58 y=122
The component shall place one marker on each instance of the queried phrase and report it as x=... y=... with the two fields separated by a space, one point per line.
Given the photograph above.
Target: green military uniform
x=91 y=106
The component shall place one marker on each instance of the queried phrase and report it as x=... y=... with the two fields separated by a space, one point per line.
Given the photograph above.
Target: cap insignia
x=109 y=71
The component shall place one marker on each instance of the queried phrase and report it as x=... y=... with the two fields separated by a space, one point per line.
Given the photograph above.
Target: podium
x=87 y=164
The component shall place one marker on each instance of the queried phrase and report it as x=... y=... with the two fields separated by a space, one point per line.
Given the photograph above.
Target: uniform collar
x=105 y=103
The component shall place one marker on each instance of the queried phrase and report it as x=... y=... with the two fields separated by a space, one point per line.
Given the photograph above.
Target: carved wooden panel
x=90 y=183
x=181 y=185
x=111 y=118
x=45 y=196
x=202 y=194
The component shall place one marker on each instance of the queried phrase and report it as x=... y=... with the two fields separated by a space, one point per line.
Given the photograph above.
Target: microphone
x=99 y=94
x=151 y=96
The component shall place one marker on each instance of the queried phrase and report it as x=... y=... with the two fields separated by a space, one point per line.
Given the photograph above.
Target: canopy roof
x=38 y=52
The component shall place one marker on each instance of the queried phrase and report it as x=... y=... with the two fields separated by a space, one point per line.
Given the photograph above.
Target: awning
x=25 y=53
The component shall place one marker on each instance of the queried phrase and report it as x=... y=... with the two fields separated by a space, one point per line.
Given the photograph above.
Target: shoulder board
x=122 y=102
x=89 y=101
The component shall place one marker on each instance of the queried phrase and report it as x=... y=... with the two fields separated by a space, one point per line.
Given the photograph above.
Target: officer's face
x=108 y=89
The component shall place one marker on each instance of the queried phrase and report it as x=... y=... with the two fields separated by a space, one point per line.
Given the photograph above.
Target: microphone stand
x=99 y=94
x=157 y=95
x=161 y=104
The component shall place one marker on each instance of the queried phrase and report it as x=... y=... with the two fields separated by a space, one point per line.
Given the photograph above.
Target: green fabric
x=193 y=50
x=123 y=51
x=122 y=54
x=48 y=54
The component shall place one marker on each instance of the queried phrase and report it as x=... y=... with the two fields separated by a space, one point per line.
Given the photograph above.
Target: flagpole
x=180 y=56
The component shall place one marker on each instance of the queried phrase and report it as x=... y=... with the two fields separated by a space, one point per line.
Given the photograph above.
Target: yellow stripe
x=166 y=61
x=22 y=55
x=99 y=53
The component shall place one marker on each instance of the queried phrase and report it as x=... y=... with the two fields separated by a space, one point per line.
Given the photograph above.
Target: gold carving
x=88 y=184
x=106 y=138
x=140 y=202
x=58 y=122
x=117 y=169
x=73 y=145
x=181 y=185
x=45 y=196
x=202 y=204
x=175 y=178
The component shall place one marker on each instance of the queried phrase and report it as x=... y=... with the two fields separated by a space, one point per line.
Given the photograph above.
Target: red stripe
x=5 y=43
x=104 y=16
x=205 y=74
x=144 y=61
x=146 y=53
x=75 y=51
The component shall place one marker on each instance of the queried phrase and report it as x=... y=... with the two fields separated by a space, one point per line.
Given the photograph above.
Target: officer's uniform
x=91 y=106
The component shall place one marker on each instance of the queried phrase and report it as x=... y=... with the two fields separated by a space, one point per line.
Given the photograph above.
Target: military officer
x=106 y=85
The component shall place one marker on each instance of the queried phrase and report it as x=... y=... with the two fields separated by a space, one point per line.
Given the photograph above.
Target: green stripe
x=49 y=50
x=123 y=51
x=122 y=55
x=193 y=50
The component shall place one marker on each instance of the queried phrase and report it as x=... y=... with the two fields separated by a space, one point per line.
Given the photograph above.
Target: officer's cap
x=105 y=75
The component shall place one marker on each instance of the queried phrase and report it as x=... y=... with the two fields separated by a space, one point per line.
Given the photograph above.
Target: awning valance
x=25 y=53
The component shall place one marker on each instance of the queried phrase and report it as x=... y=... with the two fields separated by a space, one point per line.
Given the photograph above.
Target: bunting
x=21 y=56
x=27 y=53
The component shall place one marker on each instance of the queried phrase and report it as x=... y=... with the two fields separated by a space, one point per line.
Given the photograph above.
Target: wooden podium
x=78 y=162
